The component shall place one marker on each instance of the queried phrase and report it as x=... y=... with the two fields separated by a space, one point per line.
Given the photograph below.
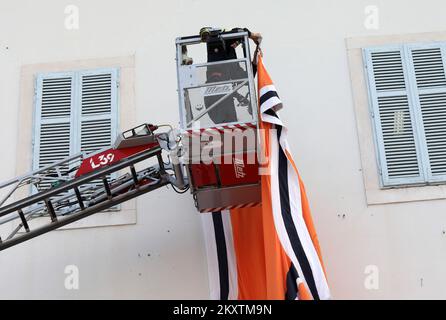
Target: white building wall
x=162 y=255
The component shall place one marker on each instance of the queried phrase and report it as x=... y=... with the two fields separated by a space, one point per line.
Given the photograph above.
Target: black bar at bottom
x=107 y=187
x=160 y=162
x=134 y=175
x=79 y=198
x=51 y=211
x=24 y=222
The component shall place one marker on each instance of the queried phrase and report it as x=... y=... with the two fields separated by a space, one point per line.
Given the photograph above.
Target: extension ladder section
x=60 y=198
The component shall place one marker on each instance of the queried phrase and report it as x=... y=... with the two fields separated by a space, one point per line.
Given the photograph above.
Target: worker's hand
x=256 y=37
x=235 y=44
x=187 y=61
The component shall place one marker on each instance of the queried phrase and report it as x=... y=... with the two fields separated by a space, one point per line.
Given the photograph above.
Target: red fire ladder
x=60 y=198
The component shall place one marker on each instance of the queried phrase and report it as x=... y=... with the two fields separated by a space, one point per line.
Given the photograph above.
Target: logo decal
x=239 y=167
x=218 y=90
x=103 y=160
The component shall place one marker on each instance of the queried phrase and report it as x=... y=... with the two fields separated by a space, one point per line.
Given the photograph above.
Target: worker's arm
x=254 y=36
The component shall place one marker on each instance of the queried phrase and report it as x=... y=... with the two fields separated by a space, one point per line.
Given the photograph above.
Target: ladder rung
x=107 y=187
x=160 y=162
x=79 y=198
x=134 y=175
x=51 y=211
x=24 y=222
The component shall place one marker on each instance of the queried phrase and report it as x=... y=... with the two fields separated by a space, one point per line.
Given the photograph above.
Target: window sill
x=377 y=196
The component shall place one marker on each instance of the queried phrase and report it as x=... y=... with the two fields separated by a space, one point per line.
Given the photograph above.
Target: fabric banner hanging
x=269 y=251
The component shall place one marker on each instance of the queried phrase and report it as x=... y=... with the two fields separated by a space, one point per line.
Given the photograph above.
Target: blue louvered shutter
x=97 y=111
x=392 y=109
x=427 y=65
x=54 y=119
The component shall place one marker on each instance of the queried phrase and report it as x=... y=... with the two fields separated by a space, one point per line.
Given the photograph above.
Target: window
x=75 y=112
x=407 y=91
x=124 y=116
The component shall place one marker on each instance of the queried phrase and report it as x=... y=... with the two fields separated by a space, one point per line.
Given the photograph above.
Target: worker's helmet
x=208 y=32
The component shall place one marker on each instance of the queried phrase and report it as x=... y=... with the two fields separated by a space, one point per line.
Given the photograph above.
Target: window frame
x=412 y=91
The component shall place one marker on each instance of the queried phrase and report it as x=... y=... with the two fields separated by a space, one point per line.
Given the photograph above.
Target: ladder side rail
x=41 y=170
x=10 y=193
x=79 y=181
x=38 y=175
x=39 y=208
x=165 y=180
x=127 y=182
